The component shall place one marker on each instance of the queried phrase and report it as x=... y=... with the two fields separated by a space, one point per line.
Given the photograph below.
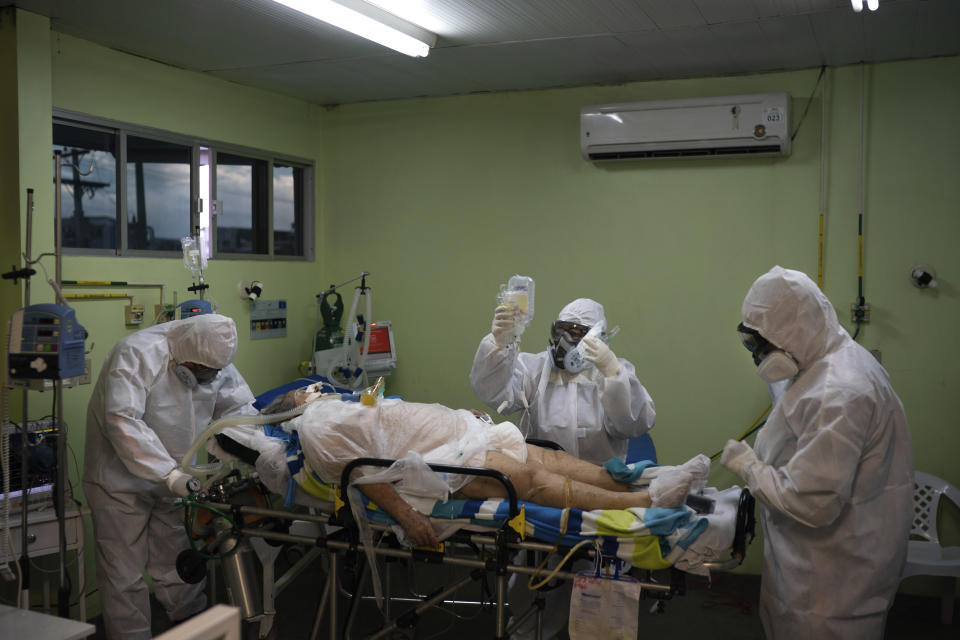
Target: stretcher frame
x=504 y=542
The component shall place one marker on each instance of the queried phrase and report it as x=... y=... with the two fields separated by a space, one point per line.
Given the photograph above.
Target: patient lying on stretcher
x=333 y=432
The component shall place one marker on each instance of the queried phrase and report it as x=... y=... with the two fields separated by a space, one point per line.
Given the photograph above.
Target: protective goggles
x=572 y=331
x=755 y=343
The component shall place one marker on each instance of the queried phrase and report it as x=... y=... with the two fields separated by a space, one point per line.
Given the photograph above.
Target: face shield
x=564 y=336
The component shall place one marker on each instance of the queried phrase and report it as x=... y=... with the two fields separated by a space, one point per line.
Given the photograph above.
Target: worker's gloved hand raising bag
x=596 y=351
x=504 y=325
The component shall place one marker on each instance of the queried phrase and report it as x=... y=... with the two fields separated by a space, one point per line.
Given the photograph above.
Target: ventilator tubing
x=223 y=423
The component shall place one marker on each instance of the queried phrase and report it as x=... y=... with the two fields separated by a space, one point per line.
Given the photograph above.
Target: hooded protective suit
x=591 y=416
x=834 y=473
x=141 y=419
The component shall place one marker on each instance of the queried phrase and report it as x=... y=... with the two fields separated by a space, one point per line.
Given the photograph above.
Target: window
x=288 y=191
x=158 y=194
x=139 y=191
x=242 y=204
x=88 y=186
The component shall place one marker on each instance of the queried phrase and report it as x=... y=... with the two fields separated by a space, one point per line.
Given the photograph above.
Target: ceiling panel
x=497 y=45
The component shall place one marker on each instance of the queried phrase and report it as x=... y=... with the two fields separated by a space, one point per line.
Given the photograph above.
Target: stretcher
x=489 y=534
x=239 y=524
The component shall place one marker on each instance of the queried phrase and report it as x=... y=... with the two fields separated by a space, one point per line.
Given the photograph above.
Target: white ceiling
x=503 y=45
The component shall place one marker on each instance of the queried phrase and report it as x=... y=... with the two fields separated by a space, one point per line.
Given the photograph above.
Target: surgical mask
x=777 y=365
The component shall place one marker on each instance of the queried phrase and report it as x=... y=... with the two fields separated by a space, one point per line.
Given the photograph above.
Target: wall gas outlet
x=133 y=314
x=85 y=376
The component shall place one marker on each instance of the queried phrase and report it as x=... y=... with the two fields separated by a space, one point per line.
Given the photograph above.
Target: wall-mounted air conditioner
x=721 y=127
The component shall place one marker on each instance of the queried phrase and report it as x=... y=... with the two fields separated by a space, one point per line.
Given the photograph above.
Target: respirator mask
x=773 y=364
x=564 y=338
x=193 y=374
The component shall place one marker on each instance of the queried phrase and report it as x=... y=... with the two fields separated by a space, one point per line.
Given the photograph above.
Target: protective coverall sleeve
x=628 y=409
x=234 y=396
x=137 y=445
x=501 y=375
x=816 y=483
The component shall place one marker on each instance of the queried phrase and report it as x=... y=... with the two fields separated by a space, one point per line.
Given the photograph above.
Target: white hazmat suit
x=141 y=420
x=591 y=415
x=832 y=469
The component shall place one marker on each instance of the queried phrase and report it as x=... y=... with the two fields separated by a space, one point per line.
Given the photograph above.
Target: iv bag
x=193 y=258
x=518 y=293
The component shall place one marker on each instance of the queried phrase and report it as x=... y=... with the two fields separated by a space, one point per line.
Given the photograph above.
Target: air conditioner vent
x=751 y=125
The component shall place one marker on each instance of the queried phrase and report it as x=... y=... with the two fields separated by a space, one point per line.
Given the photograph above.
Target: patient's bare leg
x=535 y=483
x=564 y=464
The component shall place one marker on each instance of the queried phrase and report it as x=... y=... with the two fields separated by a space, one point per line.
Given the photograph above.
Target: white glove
x=596 y=351
x=669 y=488
x=504 y=322
x=738 y=457
x=181 y=484
x=699 y=468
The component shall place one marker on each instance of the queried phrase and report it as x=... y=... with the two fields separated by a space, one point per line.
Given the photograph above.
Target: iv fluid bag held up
x=518 y=293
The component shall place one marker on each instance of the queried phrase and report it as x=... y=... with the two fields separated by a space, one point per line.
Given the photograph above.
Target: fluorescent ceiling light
x=858 y=5
x=370 y=22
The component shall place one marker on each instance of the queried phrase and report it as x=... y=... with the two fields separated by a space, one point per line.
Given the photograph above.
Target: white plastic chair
x=927 y=557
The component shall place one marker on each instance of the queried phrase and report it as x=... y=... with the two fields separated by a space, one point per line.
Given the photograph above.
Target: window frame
x=121 y=130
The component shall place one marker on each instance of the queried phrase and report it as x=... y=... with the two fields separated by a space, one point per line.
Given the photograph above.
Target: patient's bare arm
x=416 y=525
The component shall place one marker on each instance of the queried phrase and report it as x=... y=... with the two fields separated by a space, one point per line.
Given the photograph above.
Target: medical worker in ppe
x=157 y=390
x=832 y=468
x=591 y=413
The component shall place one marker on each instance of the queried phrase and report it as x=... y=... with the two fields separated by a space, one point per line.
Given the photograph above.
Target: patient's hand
x=416 y=525
x=418 y=528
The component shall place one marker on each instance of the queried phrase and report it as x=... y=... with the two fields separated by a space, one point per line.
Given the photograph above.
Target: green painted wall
x=443 y=199
x=10 y=295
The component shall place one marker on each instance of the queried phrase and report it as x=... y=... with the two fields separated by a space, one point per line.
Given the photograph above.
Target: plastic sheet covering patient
x=332 y=432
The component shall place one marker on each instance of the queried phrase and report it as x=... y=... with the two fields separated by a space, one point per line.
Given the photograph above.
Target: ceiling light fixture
x=871 y=4
x=370 y=22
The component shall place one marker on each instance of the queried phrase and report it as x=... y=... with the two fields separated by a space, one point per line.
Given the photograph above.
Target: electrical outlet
x=85 y=376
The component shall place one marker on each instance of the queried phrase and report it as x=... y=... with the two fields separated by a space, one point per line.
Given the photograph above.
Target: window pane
x=287 y=210
x=242 y=190
x=88 y=202
x=158 y=194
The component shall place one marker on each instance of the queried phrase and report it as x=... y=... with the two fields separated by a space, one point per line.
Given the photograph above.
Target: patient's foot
x=669 y=489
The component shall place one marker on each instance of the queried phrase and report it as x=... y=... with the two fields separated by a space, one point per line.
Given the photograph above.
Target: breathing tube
x=221 y=424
